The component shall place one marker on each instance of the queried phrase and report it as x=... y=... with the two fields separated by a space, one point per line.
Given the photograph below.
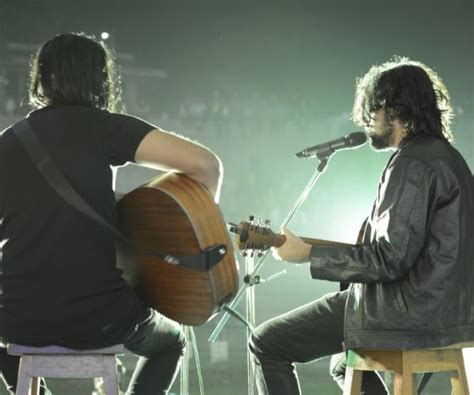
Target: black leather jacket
x=413 y=276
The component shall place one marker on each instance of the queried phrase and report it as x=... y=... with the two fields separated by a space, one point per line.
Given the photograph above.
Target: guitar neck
x=255 y=237
x=325 y=243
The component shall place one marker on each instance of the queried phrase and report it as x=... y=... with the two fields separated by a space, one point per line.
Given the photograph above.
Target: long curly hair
x=409 y=91
x=73 y=69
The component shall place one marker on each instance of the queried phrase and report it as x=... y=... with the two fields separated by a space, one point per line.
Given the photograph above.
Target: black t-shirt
x=58 y=280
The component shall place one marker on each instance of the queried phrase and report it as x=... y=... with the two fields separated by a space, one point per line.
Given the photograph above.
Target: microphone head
x=355 y=139
x=325 y=150
x=300 y=154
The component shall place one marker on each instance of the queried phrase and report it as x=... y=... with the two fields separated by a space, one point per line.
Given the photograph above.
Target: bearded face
x=381 y=131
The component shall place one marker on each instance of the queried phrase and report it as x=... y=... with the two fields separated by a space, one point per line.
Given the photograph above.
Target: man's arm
x=169 y=152
x=399 y=229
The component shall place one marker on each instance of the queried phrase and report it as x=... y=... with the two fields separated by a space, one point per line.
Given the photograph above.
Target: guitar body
x=176 y=215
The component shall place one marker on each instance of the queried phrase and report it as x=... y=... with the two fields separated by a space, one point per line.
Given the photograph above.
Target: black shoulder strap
x=56 y=179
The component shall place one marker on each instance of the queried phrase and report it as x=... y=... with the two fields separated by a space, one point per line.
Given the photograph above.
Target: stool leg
x=23 y=385
x=352 y=381
x=456 y=386
x=462 y=377
x=24 y=376
x=406 y=381
x=35 y=385
x=397 y=384
x=407 y=385
x=403 y=384
x=110 y=376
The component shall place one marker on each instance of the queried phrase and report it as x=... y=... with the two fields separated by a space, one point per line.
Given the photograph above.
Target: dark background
x=257 y=81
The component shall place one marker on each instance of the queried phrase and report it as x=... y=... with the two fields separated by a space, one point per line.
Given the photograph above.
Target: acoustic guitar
x=176 y=215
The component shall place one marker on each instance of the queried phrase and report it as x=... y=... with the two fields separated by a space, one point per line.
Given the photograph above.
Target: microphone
x=324 y=150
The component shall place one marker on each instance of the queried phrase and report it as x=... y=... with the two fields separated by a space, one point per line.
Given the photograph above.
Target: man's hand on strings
x=293 y=250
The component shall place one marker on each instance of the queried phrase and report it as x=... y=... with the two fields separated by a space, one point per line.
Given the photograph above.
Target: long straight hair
x=73 y=69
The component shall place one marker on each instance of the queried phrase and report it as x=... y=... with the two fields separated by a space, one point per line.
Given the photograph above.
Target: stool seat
x=61 y=362
x=405 y=363
x=18 y=349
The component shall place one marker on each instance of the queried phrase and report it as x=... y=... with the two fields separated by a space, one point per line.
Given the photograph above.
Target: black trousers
x=307 y=333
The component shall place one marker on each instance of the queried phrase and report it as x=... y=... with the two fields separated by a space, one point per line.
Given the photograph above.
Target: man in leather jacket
x=412 y=276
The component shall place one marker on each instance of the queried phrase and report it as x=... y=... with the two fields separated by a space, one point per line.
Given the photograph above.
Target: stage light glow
x=104 y=35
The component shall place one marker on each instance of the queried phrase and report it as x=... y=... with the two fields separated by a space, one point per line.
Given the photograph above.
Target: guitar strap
x=23 y=130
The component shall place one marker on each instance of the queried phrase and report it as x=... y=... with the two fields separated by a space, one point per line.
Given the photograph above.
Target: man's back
x=58 y=273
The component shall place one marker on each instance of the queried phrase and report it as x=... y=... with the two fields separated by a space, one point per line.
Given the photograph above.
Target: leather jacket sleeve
x=395 y=233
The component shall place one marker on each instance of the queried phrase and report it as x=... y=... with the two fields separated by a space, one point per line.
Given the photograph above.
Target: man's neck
x=399 y=133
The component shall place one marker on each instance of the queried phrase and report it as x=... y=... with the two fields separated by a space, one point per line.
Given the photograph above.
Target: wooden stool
x=59 y=362
x=405 y=363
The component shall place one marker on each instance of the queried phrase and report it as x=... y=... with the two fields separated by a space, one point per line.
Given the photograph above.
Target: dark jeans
x=157 y=340
x=160 y=343
x=307 y=333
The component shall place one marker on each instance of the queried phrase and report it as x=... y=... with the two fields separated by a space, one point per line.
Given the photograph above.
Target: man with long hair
x=58 y=280
x=411 y=277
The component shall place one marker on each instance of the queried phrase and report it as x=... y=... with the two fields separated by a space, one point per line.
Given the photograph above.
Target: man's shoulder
x=438 y=157
x=5 y=136
x=429 y=150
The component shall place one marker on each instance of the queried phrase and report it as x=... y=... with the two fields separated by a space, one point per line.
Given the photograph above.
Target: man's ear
x=399 y=126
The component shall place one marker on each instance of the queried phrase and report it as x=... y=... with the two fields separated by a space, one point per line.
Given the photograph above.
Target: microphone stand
x=184 y=371
x=250 y=316
x=252 y=278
